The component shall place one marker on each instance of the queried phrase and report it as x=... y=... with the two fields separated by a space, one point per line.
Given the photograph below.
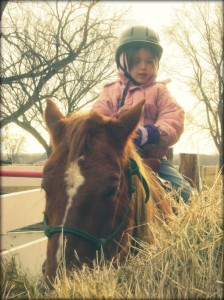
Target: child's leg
x=168 y=172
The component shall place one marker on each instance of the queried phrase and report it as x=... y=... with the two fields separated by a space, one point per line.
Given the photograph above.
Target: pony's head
x=87 y=184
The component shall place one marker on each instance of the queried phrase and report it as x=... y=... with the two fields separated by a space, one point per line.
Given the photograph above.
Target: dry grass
x=185 y=264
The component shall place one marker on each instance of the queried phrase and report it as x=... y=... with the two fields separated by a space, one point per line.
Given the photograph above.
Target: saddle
x=154 y=164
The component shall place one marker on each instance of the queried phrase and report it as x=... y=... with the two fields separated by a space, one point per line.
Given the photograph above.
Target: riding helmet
x=138 y=36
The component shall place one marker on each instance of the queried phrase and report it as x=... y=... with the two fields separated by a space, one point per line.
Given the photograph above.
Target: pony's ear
x=125 y=125
x=130 y=119
x=54 y=121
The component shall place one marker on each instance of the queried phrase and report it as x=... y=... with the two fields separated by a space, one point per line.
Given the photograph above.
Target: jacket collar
x=123 y=80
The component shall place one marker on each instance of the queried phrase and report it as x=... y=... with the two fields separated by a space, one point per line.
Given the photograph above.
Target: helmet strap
x=130 y=80
x=125 y=93
x=124 y=68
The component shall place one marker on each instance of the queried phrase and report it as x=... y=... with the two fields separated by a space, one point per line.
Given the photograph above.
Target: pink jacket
x=160 y=109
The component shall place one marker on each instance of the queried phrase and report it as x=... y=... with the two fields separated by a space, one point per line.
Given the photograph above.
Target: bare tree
x=13 y=144
x=198 y=33
x=64 y=53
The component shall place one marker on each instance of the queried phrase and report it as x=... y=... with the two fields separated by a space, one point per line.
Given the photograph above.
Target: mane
x=155 y=188
x=79 y=127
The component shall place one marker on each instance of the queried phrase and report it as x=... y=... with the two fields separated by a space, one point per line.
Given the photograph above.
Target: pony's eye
x=110 y=192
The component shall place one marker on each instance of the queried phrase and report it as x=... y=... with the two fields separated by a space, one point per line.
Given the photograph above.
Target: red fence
x=31 y=174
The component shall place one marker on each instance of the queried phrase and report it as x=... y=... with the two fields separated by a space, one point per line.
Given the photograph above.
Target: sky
x=156 y=15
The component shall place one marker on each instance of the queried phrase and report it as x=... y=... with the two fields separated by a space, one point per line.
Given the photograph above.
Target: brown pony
x=99 y=195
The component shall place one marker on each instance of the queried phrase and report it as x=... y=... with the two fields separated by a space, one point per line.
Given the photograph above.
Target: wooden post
x=169 y=155
x=189 y=168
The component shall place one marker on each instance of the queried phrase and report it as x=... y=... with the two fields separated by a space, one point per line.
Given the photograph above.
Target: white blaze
x=73 y=180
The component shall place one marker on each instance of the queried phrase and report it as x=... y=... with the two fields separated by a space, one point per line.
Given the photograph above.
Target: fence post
x=169 y=155
x=190 y=169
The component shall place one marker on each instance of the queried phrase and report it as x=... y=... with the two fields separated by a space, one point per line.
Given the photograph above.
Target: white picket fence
x=27 y=249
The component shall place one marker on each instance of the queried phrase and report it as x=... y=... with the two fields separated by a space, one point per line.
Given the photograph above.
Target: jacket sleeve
x=104 y=103
x=170 y=118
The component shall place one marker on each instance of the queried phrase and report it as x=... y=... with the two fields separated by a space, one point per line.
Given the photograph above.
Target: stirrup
x=164 y=183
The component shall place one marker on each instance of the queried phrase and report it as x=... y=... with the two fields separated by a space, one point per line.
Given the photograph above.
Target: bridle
x=133 y=169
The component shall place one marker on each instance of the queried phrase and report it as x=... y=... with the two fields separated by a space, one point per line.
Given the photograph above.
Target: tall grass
x=186 y=263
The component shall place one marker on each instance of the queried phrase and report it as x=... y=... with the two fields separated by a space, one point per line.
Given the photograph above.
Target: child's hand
x=148 y=134
x=153 y=135
x=138 y=139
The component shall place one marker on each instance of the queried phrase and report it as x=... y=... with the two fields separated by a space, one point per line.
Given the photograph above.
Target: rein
x=101 y=242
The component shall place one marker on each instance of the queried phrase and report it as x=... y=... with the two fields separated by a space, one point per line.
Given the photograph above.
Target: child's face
x=144 y=67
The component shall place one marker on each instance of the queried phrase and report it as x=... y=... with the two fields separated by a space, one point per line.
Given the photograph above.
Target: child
x=162 y=123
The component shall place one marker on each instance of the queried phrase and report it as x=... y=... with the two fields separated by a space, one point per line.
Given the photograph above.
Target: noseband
x=133 y=169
